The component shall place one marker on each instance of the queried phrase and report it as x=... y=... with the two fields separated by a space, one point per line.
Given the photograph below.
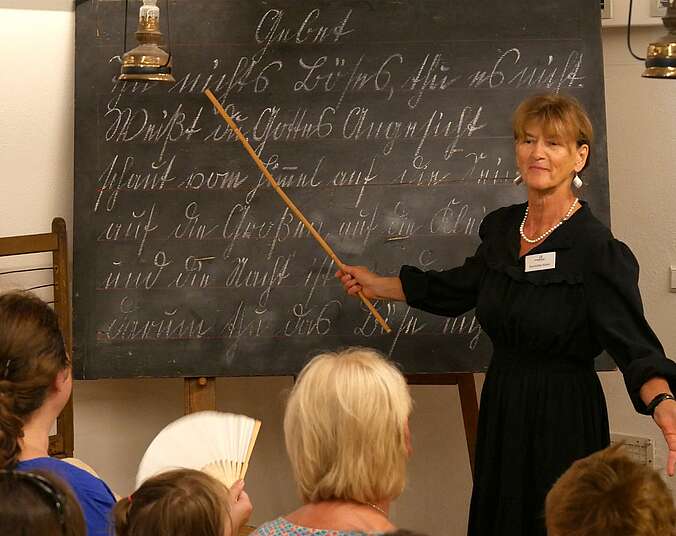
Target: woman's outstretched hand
x=665 y=417
x=360 y=279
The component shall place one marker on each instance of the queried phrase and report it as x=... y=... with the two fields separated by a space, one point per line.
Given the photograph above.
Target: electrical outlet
x=672 y=284
x=640 y=449
x=606 y=9
x=656 y=9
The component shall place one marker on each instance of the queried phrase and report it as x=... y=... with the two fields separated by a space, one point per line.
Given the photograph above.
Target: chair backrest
x=31 y=277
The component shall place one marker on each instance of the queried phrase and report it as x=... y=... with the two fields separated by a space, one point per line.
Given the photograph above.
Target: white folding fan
x=219 y=444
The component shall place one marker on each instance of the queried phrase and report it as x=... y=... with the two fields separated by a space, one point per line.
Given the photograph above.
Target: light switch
x=672 y=287
x=658 y=8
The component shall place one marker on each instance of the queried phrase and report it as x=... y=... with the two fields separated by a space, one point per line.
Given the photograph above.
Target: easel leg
x=199 y=394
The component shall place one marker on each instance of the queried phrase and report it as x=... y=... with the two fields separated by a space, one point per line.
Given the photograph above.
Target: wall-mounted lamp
x=147 y=61
x=660 y=61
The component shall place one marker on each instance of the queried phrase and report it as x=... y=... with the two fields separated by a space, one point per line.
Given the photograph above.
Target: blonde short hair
x=345 y=427
x=558 y=115
x=607 y=493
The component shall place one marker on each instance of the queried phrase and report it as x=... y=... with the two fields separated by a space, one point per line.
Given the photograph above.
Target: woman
x=346 y=433
x=35 y=385
x=38 y=503
x=552 y=288
x=183 y=502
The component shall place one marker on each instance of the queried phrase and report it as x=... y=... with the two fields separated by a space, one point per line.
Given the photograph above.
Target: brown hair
x=559 y=115
x=32 y=353
x=37 y=502
x=607 y=493
x=182 y=502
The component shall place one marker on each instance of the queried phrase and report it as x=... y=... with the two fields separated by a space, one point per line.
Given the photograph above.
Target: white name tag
x=541 y=261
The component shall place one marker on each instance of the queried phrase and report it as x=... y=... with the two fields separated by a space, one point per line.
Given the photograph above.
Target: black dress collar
x=562 y=238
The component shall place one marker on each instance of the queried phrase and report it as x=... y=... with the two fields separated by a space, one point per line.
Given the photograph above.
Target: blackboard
x=388 y=122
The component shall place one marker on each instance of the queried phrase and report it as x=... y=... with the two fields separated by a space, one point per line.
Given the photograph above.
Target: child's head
x=182 y=502
x=34 y=367
x=607 y=493
x=38 y=503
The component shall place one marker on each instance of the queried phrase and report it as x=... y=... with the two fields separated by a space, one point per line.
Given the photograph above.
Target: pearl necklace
x=550 y=230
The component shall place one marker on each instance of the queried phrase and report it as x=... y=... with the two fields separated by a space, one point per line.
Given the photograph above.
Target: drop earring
x=577 y=181
x=517 y=180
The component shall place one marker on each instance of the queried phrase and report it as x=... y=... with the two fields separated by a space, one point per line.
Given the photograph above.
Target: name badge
x=541 y=261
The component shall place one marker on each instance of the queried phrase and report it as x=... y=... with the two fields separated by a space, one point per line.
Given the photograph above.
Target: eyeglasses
x=47 y=488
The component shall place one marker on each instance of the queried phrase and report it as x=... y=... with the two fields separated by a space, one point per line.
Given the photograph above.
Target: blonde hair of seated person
x=346 y=428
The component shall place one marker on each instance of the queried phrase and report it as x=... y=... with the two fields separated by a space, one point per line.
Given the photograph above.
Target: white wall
x=115 y=420
x=641 y=14
x=36 y=117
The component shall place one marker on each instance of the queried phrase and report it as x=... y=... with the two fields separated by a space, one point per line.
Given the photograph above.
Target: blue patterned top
x=282 y=527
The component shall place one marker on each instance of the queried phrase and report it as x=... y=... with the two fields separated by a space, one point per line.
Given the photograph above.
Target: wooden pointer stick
x=290 y=204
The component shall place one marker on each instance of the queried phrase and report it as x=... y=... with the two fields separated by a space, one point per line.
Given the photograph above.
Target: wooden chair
x=60 y=444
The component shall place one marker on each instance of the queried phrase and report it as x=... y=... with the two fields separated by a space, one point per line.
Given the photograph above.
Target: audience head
x=38 y=503
x=607 y=493
x=34 y=367
x=346 y=428
x=182 y=502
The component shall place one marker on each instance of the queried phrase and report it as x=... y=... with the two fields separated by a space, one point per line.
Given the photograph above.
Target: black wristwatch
x=655 y=401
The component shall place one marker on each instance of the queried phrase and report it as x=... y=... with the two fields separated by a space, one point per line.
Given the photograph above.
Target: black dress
x=542 y=406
